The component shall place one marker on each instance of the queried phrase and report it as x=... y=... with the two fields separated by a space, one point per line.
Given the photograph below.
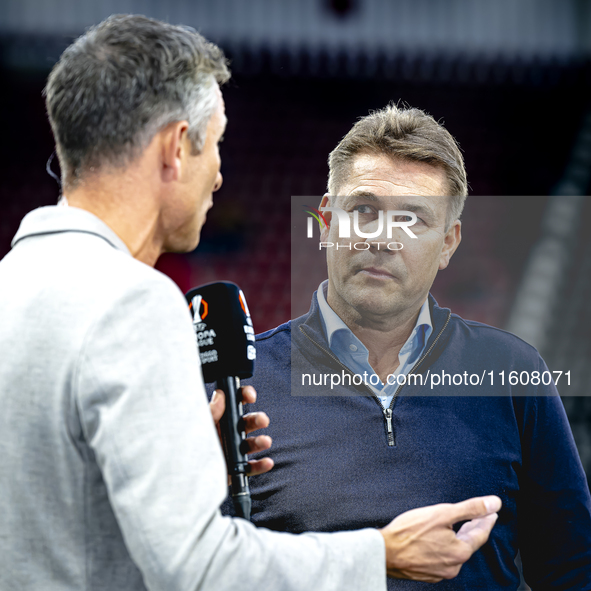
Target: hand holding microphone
x=225 y=337
x=252 y=422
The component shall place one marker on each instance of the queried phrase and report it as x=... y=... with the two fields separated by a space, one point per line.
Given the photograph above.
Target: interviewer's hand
x=252 y=422
x=421 y=544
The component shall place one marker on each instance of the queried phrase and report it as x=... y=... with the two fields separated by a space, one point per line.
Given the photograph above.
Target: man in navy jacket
x=373 y=401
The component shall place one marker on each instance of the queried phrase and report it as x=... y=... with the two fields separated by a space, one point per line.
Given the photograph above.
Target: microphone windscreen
x=223 y=329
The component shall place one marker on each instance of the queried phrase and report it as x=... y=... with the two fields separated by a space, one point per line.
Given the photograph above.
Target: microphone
x=225 y=336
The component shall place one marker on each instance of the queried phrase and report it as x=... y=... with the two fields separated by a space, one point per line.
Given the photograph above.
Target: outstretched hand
x=422 y=545
x=252 y=422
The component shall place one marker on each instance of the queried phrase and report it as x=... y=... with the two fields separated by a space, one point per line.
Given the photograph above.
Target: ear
x=325 y=202
x=451 y=241
x=176 y=147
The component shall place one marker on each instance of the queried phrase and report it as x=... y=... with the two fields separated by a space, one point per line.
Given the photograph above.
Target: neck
x=383 y=337
x=123 y=199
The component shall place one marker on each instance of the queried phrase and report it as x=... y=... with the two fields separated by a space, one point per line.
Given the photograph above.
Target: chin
x=193 y=245
x=370 y=301
x=369 y=309
x=183 y=244
x=375 y=292
x=370 y=304
x=195 y=241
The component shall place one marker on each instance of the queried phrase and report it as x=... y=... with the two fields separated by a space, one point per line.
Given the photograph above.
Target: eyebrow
x=361 y=193
x=422 y=210
x=425 y=212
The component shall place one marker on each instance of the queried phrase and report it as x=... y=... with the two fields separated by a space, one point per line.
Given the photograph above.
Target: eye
x=404 y=218
x=363 y=209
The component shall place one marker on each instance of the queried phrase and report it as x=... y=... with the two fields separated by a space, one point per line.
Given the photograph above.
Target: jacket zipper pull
x=389 y=430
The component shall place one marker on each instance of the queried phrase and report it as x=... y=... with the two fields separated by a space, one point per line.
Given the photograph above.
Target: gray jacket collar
x=53 y=219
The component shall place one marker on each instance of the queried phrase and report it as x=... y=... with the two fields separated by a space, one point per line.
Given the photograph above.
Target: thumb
x=217 y=406
x=476 y=532
x=472 y=508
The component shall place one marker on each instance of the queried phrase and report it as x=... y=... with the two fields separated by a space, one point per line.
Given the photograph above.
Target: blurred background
x=509 y=79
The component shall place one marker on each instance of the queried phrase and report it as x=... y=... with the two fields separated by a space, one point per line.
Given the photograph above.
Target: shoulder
x=81 y=276
x=275 y=341
x=488 y=333
x=273 y=359
x=138 y=318
x=275 y=335
x=138 y=290
x=116 y=276
x=82 y=265
x=108 y=289
x=477 y=338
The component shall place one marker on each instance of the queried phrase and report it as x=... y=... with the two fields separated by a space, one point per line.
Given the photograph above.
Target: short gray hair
x=124 y=80
x=409 y=134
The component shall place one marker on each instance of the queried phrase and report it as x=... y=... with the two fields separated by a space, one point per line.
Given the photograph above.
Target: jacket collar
x=56 y=219
x=311 y=325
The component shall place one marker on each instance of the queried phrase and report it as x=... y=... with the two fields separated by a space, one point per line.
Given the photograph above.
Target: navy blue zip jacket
x=342 y=462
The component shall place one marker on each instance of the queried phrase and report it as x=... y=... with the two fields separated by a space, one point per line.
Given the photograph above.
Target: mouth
x=376 y=273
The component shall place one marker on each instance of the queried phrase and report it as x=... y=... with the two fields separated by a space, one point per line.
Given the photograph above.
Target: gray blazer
x=111 y=473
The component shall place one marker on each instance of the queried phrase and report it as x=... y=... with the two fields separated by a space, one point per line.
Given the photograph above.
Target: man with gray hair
x=382 y=400
x=111 y=474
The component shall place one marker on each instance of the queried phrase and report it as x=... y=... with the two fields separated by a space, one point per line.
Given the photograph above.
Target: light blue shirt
x=354 y=354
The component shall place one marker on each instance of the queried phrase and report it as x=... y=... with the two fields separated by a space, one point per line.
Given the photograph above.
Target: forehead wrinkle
x=363 y=193
x=422 y=208
x=400 y=187
x=355 y=195
x=381 y=170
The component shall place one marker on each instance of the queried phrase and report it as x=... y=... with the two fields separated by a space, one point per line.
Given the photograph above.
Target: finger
x=255 y=444
x=253 y=421
x=472 y=508
x=261 y=466
x=217 y=405
x=249 y=394
x=476 y=532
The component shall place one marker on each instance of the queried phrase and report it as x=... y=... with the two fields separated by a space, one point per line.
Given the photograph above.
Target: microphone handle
x=232 y=438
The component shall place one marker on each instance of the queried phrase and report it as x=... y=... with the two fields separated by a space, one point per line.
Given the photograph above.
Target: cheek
x=424 y=255
x=333 y=262
x=330 y=260
x=339 y=263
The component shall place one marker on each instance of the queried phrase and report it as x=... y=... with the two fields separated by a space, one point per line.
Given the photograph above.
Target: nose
x=219 y=179
x=389 y=246
x=381 y=242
